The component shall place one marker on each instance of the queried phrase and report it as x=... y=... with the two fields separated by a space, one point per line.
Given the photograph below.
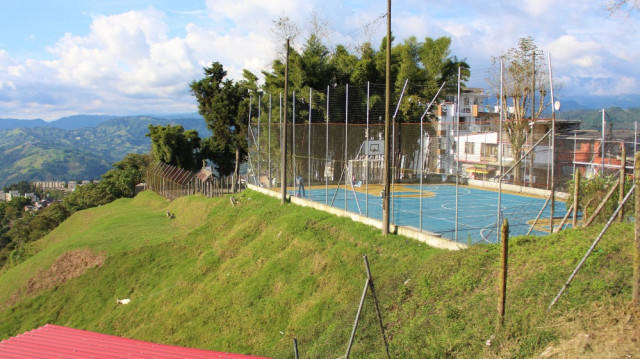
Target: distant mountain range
x=77 y=147
x=85 y=146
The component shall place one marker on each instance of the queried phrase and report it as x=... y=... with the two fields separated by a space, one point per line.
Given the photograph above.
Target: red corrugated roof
x=54 y=341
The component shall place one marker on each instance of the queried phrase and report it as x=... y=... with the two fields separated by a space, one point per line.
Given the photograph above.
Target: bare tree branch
x=625 y=7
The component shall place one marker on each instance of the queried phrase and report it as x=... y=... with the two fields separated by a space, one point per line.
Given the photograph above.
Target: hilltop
x=248 y=278
x=74 y=148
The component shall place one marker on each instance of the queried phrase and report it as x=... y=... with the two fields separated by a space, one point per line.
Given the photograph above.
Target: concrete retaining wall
x=563 y=196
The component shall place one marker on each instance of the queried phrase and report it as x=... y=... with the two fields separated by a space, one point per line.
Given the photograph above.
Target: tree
x=175 y=146
x=523 y=78
x=223 y=103
x=623 y=6
x=121 y=181
x=22 y=187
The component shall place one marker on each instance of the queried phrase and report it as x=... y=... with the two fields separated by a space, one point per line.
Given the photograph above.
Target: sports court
x=477 y=209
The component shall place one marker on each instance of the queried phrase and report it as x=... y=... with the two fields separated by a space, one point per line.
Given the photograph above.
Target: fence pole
x=387 y=150
x=593 y=245
x=283 y=137
x=366 y=161
x=602 y=204
x=636 y=254
x=372 y=287
x=259 y=152
x=503 y=272
x=293 y=141
x=269 y=129
x=309 y=139
x=346 y=144
x=326 y=156
x=499 y=214
x=355 y=324
x=553 y=148
x=576 y=196
x=623 y=163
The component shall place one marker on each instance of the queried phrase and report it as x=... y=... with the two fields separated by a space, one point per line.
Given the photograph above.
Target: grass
x=249 y=278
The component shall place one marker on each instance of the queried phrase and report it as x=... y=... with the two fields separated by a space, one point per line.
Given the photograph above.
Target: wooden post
x=636 y=253
x=576 y=197
x=503 y=272
x=623 y=162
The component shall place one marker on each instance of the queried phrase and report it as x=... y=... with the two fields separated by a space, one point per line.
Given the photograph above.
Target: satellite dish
x=556 y=105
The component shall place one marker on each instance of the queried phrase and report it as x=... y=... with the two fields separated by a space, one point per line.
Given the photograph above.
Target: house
x=32 y=196
x=475 y=118
x=8 y=196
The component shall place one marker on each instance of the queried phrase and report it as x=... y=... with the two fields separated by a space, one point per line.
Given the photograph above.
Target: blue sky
x=66 y=57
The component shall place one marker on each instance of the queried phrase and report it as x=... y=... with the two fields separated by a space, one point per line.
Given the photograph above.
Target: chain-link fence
x=336 y=156
x=172 y=182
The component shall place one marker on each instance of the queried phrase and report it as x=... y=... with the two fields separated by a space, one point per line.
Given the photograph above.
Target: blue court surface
x=477 y=209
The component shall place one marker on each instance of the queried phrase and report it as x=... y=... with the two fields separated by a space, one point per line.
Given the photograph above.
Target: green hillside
x=55 y=154
x=249 y=278
x=618 y=118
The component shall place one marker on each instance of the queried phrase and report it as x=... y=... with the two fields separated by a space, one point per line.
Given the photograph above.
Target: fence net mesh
x=335 y=148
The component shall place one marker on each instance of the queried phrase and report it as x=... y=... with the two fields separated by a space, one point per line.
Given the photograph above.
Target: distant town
x=38 y=203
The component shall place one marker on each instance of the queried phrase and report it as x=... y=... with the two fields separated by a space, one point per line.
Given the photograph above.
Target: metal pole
x=635 y=295
x=326 y=155
x=422 y=148
x=576 y=197
x=499 y=215
x=375 y=301
x=539 y=214
x=346 y=143
x=393 y=146
x=387 y=172
x=623 y=163
x=259 y=152
x=593 y=245
x=295 y=348
x=270 y=109
x=635 y=137
x=553 y=149
x=366 y=175
x=457 y=153
x=421 y=167
x=250 y=131
x=293 y=141
x=504 y=255
x=575 y=140
x=355 y=324
x=309 y=139
x=283 y=140
x=602 y=147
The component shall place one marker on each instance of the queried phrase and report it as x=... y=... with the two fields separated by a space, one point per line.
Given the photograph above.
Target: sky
x=124 y=57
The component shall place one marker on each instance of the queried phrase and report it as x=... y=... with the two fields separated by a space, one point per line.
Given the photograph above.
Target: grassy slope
x=249 y=278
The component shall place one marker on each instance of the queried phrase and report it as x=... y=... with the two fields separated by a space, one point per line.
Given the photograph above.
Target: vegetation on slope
x=248 y=278
x=54 y=154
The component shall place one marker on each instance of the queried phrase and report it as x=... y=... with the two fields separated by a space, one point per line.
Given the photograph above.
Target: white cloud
x=569 y=49
x=538 y=7
x=133 y=62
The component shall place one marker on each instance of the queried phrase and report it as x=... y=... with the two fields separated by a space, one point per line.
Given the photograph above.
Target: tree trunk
x=517 y=170
x=236 y=172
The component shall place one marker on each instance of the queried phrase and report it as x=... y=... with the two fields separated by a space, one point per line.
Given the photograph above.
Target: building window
x=469 y=148
x=507 y=150
x=489 y=150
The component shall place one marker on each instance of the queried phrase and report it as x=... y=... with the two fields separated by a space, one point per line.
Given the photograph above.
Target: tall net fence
x=441 y=159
